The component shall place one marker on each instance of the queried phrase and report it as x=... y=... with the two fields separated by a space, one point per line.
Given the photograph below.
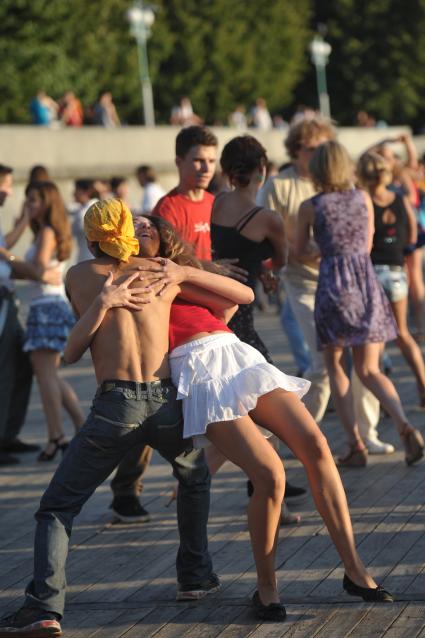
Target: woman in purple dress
x=351 y=308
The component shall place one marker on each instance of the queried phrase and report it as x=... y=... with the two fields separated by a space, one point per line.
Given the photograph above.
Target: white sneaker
x=375 y=446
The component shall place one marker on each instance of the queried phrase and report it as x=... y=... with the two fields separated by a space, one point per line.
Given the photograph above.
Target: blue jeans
x=296 y=341
x=124 y=415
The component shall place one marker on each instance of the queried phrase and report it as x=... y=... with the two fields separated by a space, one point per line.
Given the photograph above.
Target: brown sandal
x=413 y=444
x=356 y=457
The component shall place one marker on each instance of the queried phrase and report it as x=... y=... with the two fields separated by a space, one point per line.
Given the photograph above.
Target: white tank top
x=44 y=293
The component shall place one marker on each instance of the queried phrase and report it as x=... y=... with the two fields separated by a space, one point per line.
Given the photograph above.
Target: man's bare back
x=129 y=344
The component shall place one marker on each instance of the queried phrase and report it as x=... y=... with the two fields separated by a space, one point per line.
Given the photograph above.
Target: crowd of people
x=177 y=275
x=68 y=111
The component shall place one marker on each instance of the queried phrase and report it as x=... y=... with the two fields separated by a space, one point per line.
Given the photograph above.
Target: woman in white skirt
x=227 y=388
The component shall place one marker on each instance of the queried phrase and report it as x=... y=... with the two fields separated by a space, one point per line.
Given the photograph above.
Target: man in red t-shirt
x=188 y=206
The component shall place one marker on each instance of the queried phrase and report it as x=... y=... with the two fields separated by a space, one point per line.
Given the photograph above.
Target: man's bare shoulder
x=85 y=269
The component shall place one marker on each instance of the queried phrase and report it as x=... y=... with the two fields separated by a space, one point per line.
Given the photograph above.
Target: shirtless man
x=135 y=403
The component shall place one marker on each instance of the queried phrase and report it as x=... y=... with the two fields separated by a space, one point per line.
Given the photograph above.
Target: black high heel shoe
x=275 y=612
x=46 y=456
x=369 y=594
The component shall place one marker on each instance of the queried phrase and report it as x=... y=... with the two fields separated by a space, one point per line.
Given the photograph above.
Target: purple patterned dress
x=351 y=307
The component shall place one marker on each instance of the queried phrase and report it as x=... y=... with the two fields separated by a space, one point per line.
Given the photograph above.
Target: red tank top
x=187 y=319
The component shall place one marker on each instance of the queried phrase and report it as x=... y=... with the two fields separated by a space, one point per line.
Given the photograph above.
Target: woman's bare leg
x=286 y=416
x=366 y=362
x=408 y=346
x=242 y=443
x=45 y=364
x=214 y=458
x=71 y=404
x=417 y=288
x=341 y=395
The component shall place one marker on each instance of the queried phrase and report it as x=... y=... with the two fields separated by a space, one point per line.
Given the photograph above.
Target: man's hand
x=270 y=281
x=24 y=216
x=122 y=296
x=226 y=267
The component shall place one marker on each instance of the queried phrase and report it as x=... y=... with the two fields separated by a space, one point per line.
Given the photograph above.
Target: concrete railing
x=70 y=153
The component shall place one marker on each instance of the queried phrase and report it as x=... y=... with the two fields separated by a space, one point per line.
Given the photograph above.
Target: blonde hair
x=331 y=167
x=306 y=130
x=372 y=168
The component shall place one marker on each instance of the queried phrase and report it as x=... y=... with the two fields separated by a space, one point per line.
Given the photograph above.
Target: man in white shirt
x=152 y=191
x=85 y=194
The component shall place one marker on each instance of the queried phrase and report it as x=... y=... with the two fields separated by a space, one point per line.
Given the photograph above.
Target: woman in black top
x=241 y=229
x=395 y=231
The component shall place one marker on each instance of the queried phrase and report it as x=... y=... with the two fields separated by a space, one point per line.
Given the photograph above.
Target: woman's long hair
x=171 y=245
x=55 y=216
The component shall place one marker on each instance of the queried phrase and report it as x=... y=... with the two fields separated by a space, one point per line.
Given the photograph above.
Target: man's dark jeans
x=121 y=417
x=15 y=372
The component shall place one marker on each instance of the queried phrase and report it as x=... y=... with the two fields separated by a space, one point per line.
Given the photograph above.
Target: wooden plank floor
x=121 y=578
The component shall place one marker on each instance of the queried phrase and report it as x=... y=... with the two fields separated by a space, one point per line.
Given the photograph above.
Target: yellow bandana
x=110 y=223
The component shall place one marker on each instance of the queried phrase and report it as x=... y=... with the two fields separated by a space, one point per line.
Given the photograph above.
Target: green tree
x=218 y=52
x=227 y=51
x=56 y=46
x=378 y=53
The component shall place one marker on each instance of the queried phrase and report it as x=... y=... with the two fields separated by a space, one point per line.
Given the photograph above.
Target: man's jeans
x=296 y=341
x=124 y=415
x=15 y=371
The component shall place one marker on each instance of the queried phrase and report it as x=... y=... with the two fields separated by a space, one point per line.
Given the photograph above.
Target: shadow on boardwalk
x=122 y=577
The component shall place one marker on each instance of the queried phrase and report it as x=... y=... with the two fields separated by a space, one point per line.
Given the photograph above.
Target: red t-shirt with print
x=191 y=219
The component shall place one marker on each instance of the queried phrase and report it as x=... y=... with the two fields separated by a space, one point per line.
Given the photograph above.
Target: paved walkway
x=122 y=577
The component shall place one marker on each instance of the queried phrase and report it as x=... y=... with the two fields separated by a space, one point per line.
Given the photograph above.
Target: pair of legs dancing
x=366 y=363
x=125 y=415
x=408 y=346
x=284 y=414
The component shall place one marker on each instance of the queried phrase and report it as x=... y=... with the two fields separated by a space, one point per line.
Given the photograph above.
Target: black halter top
x=228 y=243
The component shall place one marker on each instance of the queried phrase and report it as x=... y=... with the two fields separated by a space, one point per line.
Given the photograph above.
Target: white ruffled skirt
x=219 y=378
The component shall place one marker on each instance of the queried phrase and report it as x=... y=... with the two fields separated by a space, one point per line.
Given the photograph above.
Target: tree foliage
x=378 y=53
x=218 y=52
x=232 y=51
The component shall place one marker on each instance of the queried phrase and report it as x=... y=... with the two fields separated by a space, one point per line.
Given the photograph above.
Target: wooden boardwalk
x=121 y=578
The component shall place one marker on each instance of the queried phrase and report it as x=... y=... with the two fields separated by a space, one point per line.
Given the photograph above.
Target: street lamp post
x=141 y=18
x=320 y=52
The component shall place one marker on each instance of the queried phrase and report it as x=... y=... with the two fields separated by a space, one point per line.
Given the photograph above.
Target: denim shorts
x=393 y=279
